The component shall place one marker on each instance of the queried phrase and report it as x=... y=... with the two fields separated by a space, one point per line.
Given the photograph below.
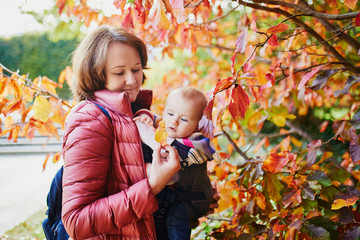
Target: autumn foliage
x=283 y=83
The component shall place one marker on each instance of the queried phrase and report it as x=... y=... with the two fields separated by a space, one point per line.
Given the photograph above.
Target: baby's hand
x=145 y=119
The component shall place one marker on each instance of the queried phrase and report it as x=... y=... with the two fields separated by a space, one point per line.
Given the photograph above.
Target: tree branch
x=33 y=86
x=228 y=137
x=351 y=41
x=297 y=21
x=307 y=11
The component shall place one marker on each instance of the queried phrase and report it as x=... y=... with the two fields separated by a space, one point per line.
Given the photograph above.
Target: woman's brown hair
x=88 y=61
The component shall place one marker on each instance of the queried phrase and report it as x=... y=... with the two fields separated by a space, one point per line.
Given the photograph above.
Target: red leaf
x=270 y=77
x=357 y=20
x=239 y=102
x=312 y=151
x=294 y=196
x=275 y=162
x=273 y=41
x=223 y=84
x=323 y=126
x=208 y=110
x=127 y=22
x=241 y=41
x=355 y=150
x=278 y=28
x=60 y=4
x=177 y=4
x=253 y=26
x=308 y=76
x=233 y=61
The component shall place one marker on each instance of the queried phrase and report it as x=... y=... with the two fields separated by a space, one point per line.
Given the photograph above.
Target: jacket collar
x=119 y=102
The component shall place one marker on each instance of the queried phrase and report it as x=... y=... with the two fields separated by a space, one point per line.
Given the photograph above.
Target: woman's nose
x=130 y=79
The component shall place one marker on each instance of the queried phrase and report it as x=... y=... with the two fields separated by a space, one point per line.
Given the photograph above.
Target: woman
x=106 y=190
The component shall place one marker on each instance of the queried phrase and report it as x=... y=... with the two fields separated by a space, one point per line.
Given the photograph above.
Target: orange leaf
x=119 y=4
x=3 y=82
x=56 y=157
x=278 y=28
x=14 y=105
x=239 y=102
x=65 y=75
x=260 y=201
x=45 y=161
x=160 y=134
x=339 y=203
x=278 y=227
x=275 y=162
x=323 y=126
x=16 y=87
x=15 y=133
x=224 y=155
x=223 y=84
x=351 y=3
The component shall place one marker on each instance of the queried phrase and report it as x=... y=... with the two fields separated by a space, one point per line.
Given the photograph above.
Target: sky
x=13 y=22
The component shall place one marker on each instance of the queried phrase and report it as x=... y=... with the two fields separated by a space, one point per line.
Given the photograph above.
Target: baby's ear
x=206 y=127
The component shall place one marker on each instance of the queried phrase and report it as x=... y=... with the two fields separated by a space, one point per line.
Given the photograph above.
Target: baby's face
x=181 y=116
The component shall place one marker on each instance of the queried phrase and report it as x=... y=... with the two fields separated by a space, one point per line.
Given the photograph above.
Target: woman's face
x=123 y=69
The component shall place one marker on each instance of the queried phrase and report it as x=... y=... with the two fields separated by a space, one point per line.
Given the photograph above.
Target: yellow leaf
x=41 y=108
x=296 y=142
x=160 y=134
x=339 y=203
x=279 y=120
x=9 y=122
x=164 y=21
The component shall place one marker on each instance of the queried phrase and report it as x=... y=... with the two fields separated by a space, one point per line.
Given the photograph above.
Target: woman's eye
x=136 y=70
x=119 y=73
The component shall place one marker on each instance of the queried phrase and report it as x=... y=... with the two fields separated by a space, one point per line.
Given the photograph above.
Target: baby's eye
x=184 y=120
x=170 y=114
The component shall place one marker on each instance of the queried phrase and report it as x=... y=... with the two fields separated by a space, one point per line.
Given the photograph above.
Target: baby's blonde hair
x=191 y=93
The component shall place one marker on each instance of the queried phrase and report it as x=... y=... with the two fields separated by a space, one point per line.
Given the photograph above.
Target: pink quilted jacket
x=106 y=194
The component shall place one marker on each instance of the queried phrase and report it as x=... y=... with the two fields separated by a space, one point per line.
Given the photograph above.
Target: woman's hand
x=163 y=167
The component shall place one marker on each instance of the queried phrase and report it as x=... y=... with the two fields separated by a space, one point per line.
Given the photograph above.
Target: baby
x=189 y=195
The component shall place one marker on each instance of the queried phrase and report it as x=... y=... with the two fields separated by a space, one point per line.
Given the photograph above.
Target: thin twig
x=309 y=12
x=36 y=88
x=218 y=18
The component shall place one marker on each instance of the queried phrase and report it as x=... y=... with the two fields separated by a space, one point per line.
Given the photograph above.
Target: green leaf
x=274 y=187
x=321 y=178
x=309 y=205
x=338 y=174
